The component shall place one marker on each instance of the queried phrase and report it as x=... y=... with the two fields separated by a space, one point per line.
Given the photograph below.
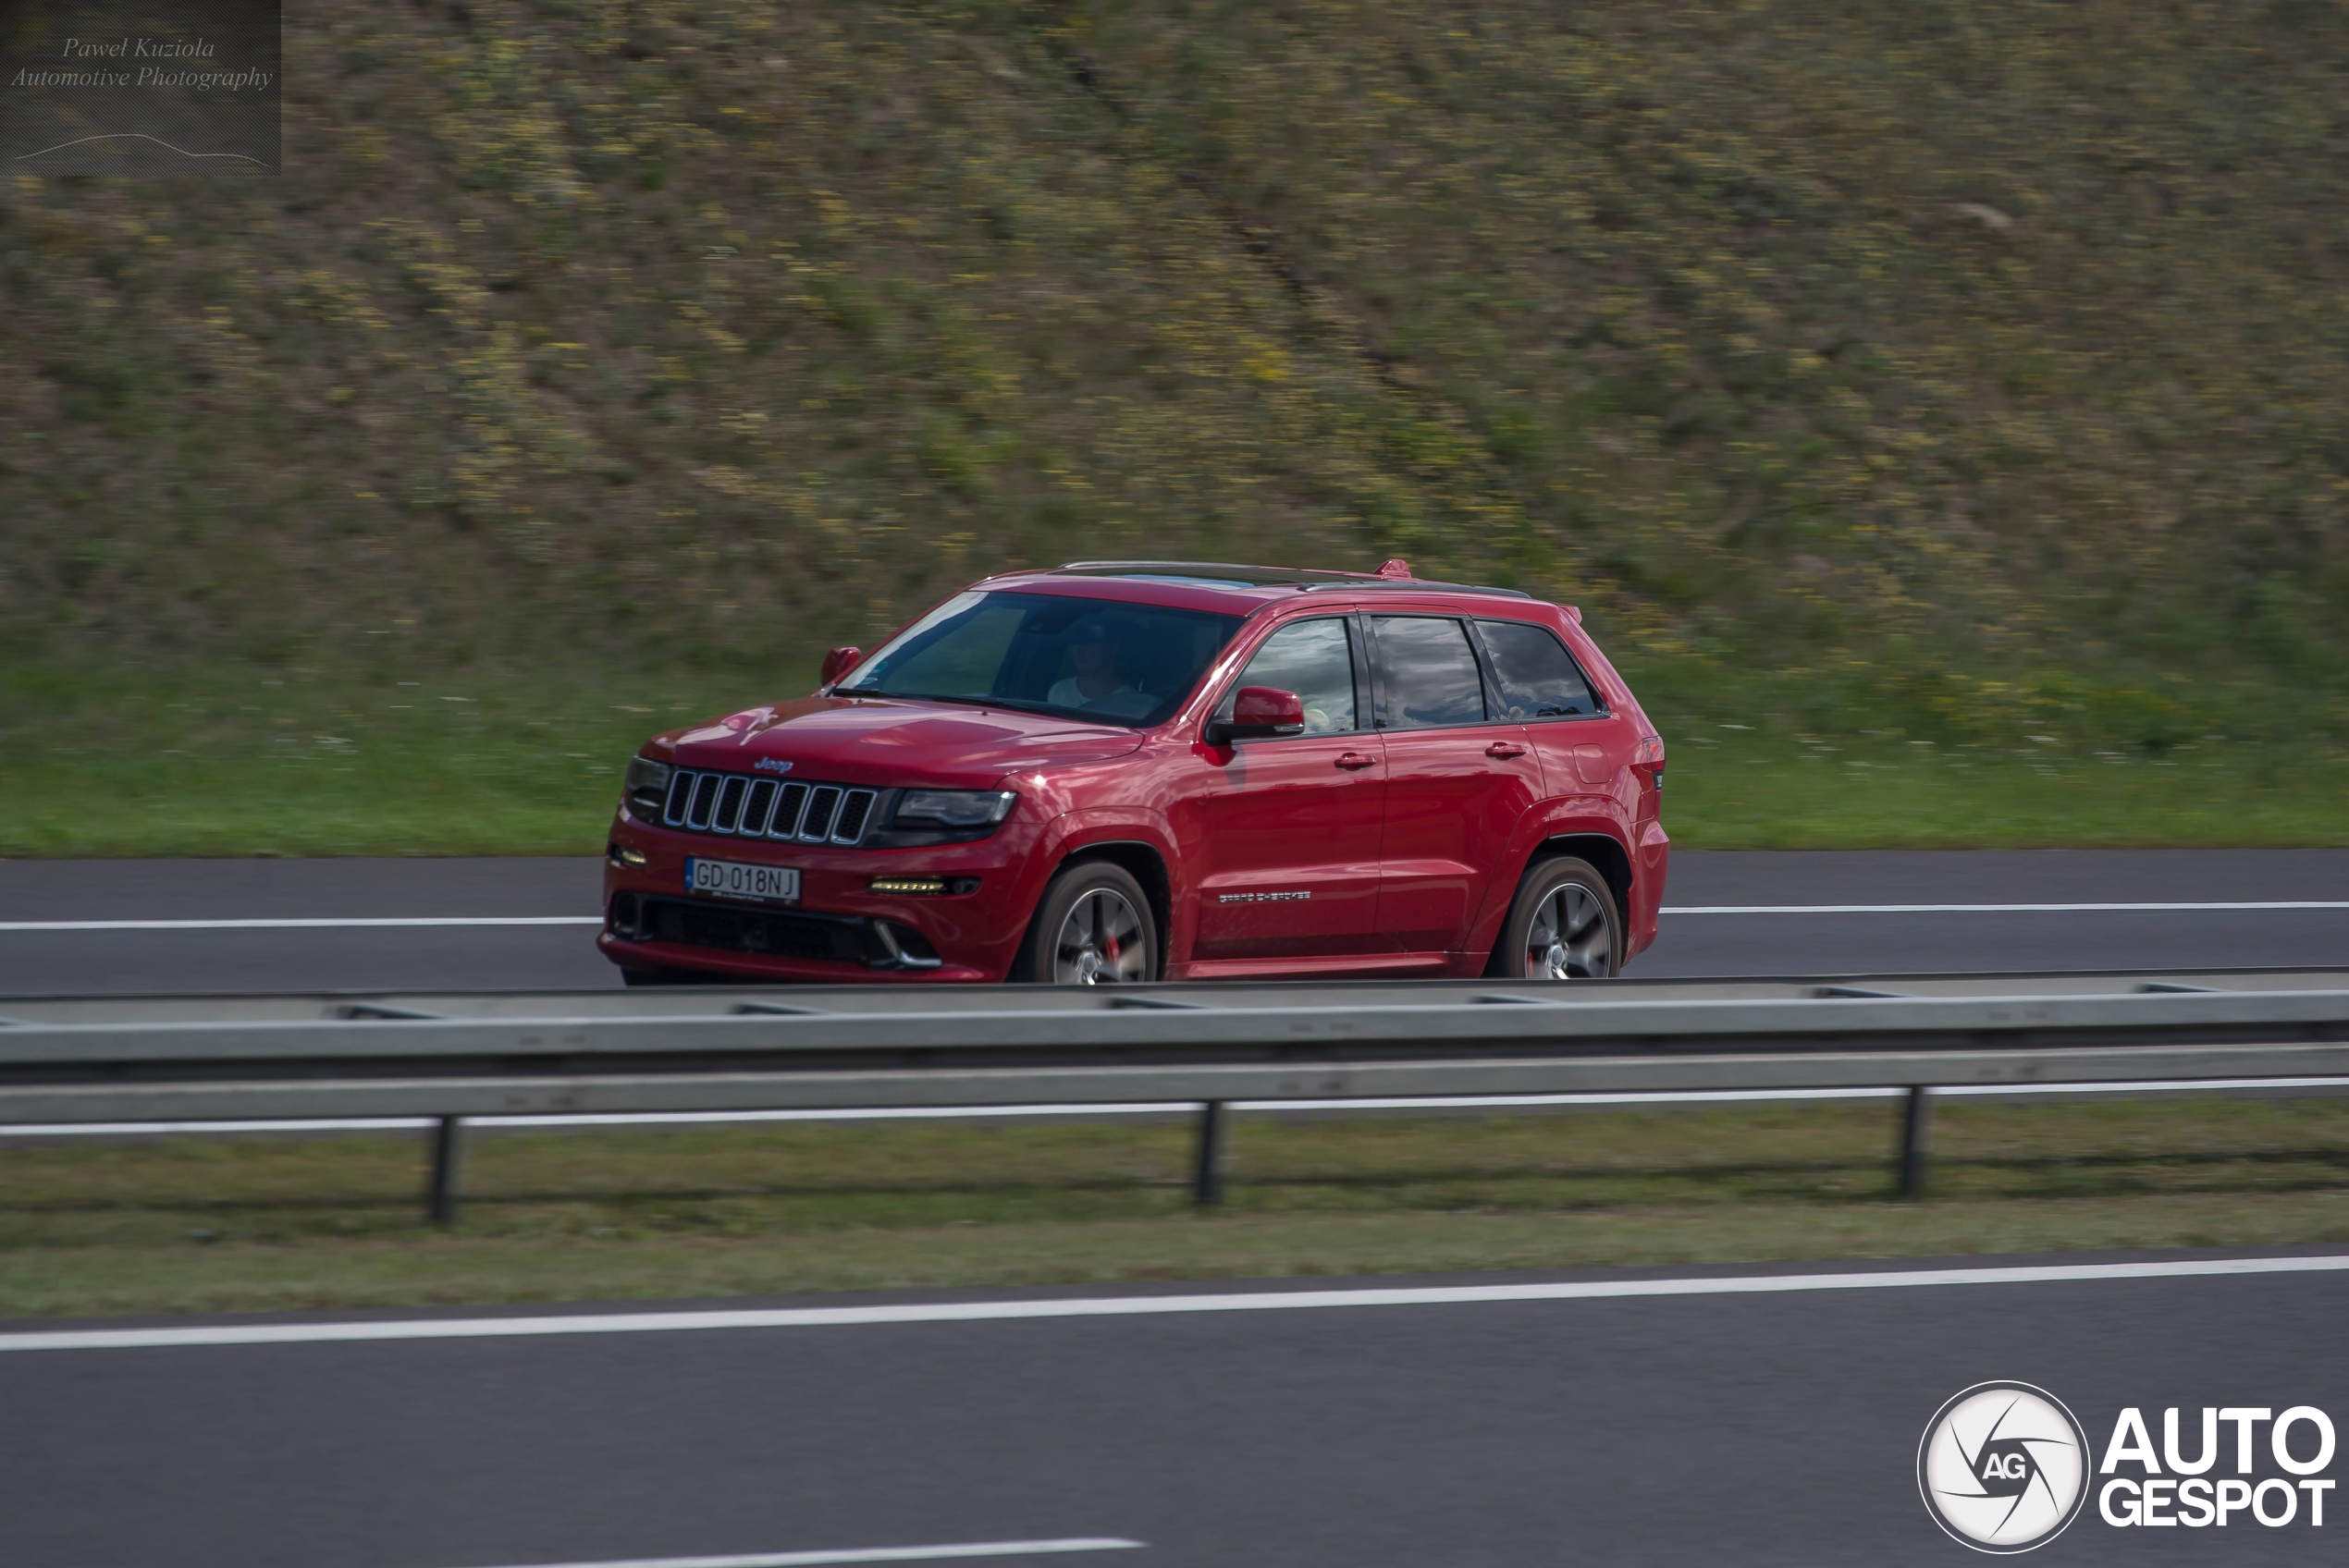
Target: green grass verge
x=219 y=1225
x=298 y=762
x=1781 y=791
x=245 y=762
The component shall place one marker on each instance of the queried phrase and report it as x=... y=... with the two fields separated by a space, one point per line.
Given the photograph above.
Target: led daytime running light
x=908 y=884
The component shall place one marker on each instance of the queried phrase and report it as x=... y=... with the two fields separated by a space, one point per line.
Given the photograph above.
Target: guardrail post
x=1916 y=1125
x=1206 y=1178
x=448 y=1168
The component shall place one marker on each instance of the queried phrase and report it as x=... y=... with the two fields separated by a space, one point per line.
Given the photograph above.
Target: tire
x=1092 y=927
x=1563 y=926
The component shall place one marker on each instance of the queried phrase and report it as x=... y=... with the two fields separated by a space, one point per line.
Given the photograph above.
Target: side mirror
x=1259 y=712
x=839 y=662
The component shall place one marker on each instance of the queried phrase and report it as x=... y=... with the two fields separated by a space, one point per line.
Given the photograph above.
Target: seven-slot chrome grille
x=743 y=805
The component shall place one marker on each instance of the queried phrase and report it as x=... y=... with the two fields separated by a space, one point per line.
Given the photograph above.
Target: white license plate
x=732 y=879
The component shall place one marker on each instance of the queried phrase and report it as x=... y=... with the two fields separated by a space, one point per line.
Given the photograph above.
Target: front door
x=1458 y=782
x=1288 y=831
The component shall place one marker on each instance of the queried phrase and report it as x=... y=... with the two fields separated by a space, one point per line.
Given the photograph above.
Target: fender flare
x=1571 y=818
x=1138 y=840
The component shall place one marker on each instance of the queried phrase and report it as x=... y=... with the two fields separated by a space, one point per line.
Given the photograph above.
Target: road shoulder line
x=1138 y=1306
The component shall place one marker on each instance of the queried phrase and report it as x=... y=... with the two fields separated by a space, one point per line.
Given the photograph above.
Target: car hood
x=881 y=741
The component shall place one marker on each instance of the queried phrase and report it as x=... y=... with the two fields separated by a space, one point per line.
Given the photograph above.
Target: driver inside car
x=1096 y=683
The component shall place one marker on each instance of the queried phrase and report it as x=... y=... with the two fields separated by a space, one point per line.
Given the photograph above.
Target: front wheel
x=1563 y=926
x=1092 y=927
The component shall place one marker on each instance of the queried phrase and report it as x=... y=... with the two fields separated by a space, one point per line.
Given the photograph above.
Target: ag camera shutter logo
x=2003 y=1467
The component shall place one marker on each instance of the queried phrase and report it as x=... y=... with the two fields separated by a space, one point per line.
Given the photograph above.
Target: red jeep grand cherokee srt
x=1124 y=771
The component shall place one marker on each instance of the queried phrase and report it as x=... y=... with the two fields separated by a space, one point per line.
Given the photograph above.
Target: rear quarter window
x=1538 y=679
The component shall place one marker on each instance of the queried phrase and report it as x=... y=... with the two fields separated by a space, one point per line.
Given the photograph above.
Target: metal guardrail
x=450 y=1056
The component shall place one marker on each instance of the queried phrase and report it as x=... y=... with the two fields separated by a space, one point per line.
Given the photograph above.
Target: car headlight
x=955 y=808
x=646 y=789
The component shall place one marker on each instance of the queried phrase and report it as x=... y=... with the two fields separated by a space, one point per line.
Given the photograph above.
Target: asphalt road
x=1867 y=941
x=1747 y=1428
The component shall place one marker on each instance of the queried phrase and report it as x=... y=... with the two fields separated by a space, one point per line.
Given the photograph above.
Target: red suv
x=1124 y=771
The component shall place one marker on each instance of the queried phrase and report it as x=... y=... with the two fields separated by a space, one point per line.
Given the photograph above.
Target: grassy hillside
x=1961 y=372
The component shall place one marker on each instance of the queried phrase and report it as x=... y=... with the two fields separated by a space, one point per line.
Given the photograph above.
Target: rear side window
x=1314 y=659
x=1427 y=674
x=1536 y=675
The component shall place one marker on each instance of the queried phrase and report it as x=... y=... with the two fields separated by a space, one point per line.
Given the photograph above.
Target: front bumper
x=839 y=930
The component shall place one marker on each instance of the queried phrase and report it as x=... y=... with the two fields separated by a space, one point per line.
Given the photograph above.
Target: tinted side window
x=1538 y=677
x=1428 y=675
x=1312 y=659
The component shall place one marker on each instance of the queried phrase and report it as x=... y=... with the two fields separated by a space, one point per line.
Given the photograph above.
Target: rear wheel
x=1092 y=927
x=1564 y=926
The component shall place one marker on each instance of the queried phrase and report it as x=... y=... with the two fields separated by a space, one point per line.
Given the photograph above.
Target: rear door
x=1287 y=838
x=1583 y=748
x=1458 y=781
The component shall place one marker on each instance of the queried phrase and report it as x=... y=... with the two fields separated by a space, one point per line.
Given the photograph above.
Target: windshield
x=1089 y=658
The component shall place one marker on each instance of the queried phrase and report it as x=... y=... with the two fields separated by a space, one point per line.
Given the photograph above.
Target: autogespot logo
x=2003 y=1467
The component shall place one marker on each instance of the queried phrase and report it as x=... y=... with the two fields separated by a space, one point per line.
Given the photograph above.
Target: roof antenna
x=1398 y=567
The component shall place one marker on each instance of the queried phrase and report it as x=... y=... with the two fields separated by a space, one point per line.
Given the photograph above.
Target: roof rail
x=1378 y=583
x=1201 y=566
x=1307 y=579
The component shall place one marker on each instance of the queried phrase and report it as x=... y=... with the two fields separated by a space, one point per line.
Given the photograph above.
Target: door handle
x=1504 y=748
x=1352 y=760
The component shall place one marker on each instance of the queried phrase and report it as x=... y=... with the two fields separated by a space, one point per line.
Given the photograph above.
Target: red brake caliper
x=1101 y=933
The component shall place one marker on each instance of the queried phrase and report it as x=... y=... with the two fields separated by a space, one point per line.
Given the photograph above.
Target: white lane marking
x=612 y=1118
x=1697 y=1096
x=358 y=922
x=1980 y=909
x=873 y=1555
x=1151 y=1108
x=139 y=1128
x=274 y=924
x=1138 y=1306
